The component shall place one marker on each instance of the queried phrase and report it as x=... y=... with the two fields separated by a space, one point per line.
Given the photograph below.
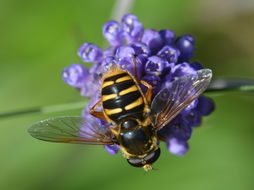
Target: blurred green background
x=39 y=38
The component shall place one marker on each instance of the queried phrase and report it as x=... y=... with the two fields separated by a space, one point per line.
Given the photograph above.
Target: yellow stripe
x=108 y=83
x=128 y=90
x=134 y=104
x=113 y=111
x=108 y=97
x=123 y=79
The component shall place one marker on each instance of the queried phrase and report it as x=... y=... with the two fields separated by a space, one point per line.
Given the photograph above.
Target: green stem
x=45 y=109
x=224 y=86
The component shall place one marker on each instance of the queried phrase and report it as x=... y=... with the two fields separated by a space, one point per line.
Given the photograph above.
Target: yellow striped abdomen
x=121 y=96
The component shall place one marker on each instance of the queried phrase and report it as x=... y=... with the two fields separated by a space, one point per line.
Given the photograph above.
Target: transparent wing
x=170 y=101
x=71 y=130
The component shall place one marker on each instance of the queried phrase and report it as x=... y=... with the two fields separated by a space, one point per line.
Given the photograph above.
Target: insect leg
x=149 y=91
x=147 y=85
x=135 y=68
x=97 y=113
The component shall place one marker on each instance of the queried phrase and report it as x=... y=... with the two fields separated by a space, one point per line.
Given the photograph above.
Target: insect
x=133 y=116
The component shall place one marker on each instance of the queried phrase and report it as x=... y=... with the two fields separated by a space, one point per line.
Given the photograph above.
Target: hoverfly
x=133 y=116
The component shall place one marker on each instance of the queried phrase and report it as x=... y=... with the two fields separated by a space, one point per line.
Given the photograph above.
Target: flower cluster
x=159 y=57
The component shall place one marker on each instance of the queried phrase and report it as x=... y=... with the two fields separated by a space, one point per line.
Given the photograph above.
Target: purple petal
x=93 y=124
x=86 y=129
x=104 y=123
x=110 y=51
x=143 y=58
x=95 y=68
x=182 y=70
x=133 y=29
x=140 y=48
x=196 y=65
x=125 y=52
x=186 y=45
x=178 y=128
x=90 y=53
x=193 y=118
x=168 y=76
x=129 y=65
x=112 y=149
x=177 y=147
x=113 y=32
x=91 y=86
x=169 y=53
x=205 y=105
x=155 y=65
x=167 y=36
x=107 y=63
x=153 y=80
x=191 y=106
x=98 y=69
x=152 y=39
x=75 y=75
x=126 y=64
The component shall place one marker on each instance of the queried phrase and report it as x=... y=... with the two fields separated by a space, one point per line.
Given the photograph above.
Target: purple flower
x=125 y=52
x=169 y=53
x=168 y=76
x=126 y=64
x=133 y=29
x=205 y=106
x=90 y=86
x=196 y=65
x=190 y=107
x=159 y=58
x=112 y=149
x=177 y=128
x=140 y=48
x=193 y=118
x=155 y=65
x=107 y=63
x=87 y=129
x=90 y=53
x=113 y=32
x=186 y=45
x=152 y=39
x=177 y=147
x=143 y=58
x=75 y=75
x=183 y=69
x=109 y=52
x=167 y=36
x=153 y=80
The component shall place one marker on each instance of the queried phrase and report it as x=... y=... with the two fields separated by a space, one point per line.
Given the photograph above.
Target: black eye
x=136 y=162
x=149 y=159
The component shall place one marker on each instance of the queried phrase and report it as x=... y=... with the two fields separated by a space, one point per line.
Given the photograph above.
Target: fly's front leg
x=147 y=85
x=95 y=113
x=135 y=67
x=149 y=91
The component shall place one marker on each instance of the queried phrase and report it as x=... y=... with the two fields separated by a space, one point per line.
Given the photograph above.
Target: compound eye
x=129 y=124
x=149 y=159
x=136 y=162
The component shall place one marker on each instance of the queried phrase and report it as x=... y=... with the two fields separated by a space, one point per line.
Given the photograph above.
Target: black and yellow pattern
x=121 y=96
